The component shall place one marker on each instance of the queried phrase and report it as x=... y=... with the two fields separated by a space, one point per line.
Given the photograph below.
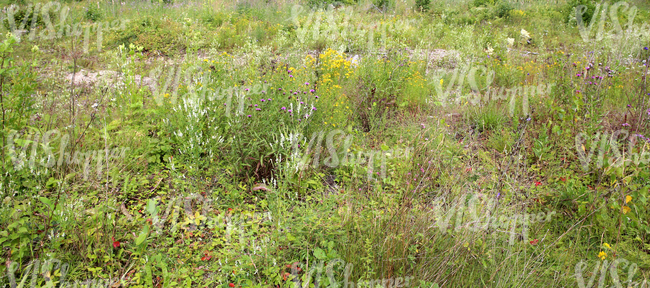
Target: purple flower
x=262 y=100
x=577 y=91
x=316 y=97
x=302 y=102
x=246 y=89
x=578 y=75
x=255 y=105
x=284 y=93
x=224 y=104
x=279 y=89
x=249 y=116
x=283 y=108
x=268 y=99
x=313 y=108
x=306 y=83
x=263 y=91
x=648 y=111
x=645 y=48
x=295 y=93
x=289 y=111
x=528 y=119
x=626 y=125
x=290 y=76
x=258 y=109
x=312 y=90
x=288 y=71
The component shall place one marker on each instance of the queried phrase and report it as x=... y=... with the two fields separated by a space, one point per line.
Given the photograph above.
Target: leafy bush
x=569 y=10
x=154 y=35
x=478 y=3
x=503 y=9
x=93 y=13
x=422 y=5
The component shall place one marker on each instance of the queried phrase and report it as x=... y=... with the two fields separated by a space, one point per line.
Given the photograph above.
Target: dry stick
x=558 y=239
x=4 y=138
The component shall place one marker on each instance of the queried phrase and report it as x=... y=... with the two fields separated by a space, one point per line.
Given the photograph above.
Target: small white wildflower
x=525 y=34
x=511 y=41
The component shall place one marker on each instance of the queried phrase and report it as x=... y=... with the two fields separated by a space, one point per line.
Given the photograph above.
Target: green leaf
x=319 y=254
x=46 y=202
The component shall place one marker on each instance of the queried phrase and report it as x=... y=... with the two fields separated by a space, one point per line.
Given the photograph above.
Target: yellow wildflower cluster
x=334 y=66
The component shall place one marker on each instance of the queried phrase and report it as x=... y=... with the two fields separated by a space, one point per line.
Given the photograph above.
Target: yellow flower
x=628 y=198
x=626 y=209
x=607 y=245
x=602 y=255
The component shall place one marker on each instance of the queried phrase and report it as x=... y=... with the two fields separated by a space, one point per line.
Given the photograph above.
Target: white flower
x=511 y=41
x=489 y=51
x=525 y=34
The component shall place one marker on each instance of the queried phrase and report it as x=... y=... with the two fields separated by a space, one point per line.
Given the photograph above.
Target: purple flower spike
x=626 y=125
